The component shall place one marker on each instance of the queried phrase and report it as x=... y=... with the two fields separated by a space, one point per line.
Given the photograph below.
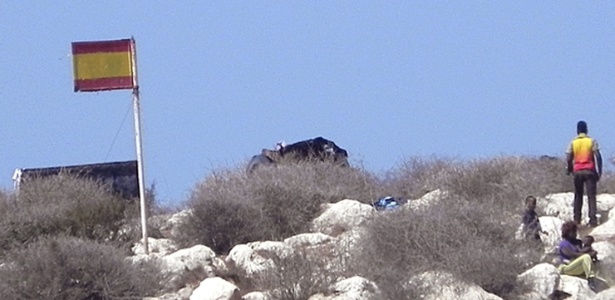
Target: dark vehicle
x=120 y=176
x=318 y=148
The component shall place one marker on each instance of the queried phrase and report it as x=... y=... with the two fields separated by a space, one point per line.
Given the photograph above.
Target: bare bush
x=61 y=205
x=504 y=181
x=297 y=277
x=510 y=176
x=452 y=236
x=417 y=176
x=230 y=208
x=70 y=268
x=606 y=185
x=468 y=233
x=4 y=196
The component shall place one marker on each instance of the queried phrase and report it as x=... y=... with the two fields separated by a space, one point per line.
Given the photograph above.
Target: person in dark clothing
x=585 y=163
x=587 y=241
x=531 y=223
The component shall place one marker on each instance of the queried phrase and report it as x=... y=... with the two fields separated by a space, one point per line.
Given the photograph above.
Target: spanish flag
x=104 y=65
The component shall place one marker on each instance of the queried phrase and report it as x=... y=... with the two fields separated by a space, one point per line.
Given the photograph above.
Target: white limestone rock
x=158 y=247
x=542 y=279
x=427 y=199
x=216 y=288
x=560 y=205
x=608 y=294
x=342 y=216
x=309 y=240
x=258 y=258
x=256 y=295
x=577 y=287
x=604 y=230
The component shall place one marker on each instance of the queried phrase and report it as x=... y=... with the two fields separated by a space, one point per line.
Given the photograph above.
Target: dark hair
x=581 y=127
x=568 y=227
x=590 y=238
x=529 y=198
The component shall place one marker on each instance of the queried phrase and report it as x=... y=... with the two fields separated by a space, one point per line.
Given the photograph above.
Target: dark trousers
x=589 y=179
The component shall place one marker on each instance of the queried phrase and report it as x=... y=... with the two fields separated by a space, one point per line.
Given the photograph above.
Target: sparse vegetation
x=70 y=268
x=57 y=225
x=61 y=205
x=453 y=235
x=298 y=276
x=469 y=232
x=230 y=208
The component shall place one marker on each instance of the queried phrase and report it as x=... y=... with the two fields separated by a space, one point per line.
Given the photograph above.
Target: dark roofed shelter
x=121 y=176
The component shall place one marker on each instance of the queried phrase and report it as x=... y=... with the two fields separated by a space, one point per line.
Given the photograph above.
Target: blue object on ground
x=386 y=203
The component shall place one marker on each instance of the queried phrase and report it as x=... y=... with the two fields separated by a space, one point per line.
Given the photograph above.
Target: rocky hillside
x=306 y=231
x=335 y=234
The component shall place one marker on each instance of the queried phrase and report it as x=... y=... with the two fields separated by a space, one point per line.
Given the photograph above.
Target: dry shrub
x=61 y=205
x=606 y=185
x=469 y=232
x=511 y=176
x=504 y=181
x=70 y=268
x=452 y=235
x=298 y=276
x=4 y=197
x=417 y=176
x=5 y=201
x=273 y=203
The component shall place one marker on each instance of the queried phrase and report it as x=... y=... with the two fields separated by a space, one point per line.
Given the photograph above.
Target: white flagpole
x=138 y=140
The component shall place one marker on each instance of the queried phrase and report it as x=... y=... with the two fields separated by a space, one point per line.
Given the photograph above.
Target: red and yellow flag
x=103 y=65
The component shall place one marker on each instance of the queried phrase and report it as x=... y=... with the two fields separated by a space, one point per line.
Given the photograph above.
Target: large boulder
x=216 y=288
x=156 y=247
x=577 y=287
x=605 y=230
x=608 y=294
x=605 y=202
x=560 y=205
x=171 y=227
x=258 y=258
x=606 y=261
x=190 y=265
x=552 y=226
x=342 y=216
x=427 y=199
x=542 y=281
x=257 y=295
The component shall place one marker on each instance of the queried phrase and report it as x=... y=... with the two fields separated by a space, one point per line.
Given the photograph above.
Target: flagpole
x=138 y=141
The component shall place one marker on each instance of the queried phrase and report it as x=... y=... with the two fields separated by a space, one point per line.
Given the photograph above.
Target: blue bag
x=386 y=203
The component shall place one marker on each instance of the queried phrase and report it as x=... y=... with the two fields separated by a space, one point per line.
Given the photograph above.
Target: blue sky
x=386 y=80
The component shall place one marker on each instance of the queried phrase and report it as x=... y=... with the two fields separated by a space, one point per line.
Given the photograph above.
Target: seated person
x=531 y=223
x=575 y=262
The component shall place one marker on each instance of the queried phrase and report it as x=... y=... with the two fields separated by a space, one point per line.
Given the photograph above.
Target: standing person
x=575 y=262
x=585 y=163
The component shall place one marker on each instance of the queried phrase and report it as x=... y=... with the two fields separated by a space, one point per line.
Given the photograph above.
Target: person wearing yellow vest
x=585 y=163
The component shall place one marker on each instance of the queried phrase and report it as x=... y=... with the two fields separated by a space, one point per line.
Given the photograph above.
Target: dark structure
x=121 y=176
x=313 y=149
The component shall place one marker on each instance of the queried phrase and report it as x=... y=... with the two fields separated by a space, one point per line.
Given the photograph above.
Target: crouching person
x=531 y=223
x=574 y=260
